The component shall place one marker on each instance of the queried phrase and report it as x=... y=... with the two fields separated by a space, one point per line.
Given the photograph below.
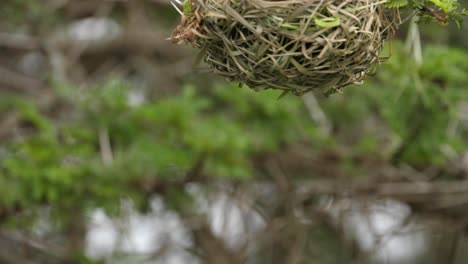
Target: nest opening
x=293 y=45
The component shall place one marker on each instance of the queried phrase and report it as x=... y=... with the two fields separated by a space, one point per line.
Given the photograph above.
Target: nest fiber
x=296 y=45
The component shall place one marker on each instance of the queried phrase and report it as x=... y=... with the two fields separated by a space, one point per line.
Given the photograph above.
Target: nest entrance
x=292 y=45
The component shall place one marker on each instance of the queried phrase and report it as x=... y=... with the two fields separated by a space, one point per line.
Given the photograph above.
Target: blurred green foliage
x=61 y=162
x=164 y=139
x=418 y=103
x=19 y=12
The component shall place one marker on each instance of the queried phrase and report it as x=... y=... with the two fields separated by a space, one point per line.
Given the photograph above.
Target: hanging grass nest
x=296 y=45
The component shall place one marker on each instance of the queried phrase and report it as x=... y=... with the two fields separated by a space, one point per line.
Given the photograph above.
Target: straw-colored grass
x=293 y=45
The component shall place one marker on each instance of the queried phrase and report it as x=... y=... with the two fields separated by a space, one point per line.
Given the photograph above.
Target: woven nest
x=296 y=45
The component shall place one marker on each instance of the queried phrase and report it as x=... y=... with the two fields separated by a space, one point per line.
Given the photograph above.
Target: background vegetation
x=99 y=111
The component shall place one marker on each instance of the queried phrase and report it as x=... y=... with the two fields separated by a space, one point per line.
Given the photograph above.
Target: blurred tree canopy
x=96 y=108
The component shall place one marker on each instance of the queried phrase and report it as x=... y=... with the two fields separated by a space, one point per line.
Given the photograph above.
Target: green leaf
x=446 y=5
x=396 y=3
x=327 y=22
